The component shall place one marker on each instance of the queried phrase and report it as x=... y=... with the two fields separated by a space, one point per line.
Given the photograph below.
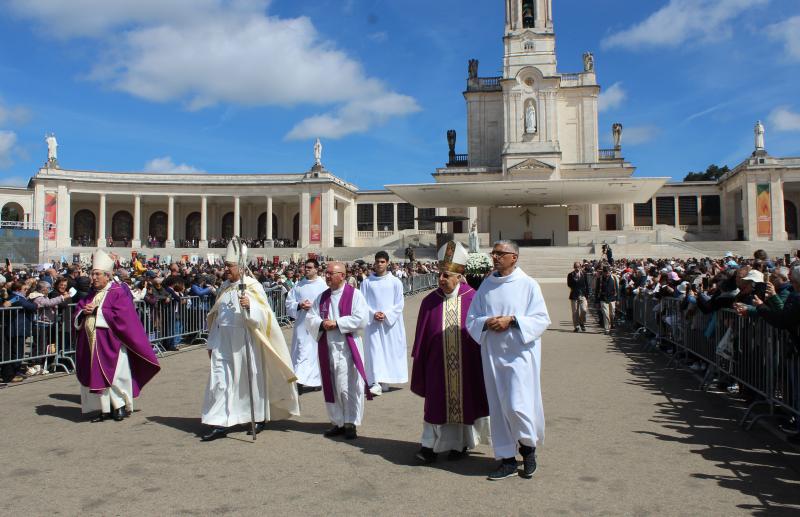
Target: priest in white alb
x=236 y=321
x=337 y=318
x=304 y=343
x=385 y=336
x=507 y=317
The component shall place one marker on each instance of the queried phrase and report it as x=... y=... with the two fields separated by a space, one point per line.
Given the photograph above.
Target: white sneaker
x=376 y=390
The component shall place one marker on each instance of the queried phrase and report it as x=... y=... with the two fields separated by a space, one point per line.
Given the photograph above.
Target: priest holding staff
x=385 y=335
x=508 y=317
x=238 y=392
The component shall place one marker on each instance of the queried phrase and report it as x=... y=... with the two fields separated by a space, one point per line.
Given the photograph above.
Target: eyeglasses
x=329 y=273
x=498 y=253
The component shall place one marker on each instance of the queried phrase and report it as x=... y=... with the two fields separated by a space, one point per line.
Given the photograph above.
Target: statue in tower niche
x=473 y=69
x=52 y=149
x=530 y=119
x=588 y=62
x=318 y=153
x=759 y=134
x=616 y=132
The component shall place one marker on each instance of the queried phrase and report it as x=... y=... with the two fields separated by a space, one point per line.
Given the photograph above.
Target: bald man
x=336 y=319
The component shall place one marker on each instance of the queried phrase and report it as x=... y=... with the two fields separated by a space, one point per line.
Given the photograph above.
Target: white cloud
x=14 y=114
x=638 y=135
x=612 y=97
x=8 y=147
x=784 y=119
x=164 y=164
x=681 y=21
x=379 y=37
x=205 y=52
x=788 y=33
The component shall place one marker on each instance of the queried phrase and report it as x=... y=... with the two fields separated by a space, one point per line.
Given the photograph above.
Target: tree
x=713 y=173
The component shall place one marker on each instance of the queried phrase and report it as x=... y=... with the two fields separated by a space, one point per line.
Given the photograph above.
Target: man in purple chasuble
x=337 y=319
x=447 y=368
x=113 y=359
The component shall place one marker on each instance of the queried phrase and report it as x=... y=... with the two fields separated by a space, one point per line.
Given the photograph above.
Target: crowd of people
x=44 y=296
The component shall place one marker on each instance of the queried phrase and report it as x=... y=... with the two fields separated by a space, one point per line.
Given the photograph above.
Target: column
x=595 y=218
x=170 y=223
x=749 y=213
x=305 y=209
x=416 y=223
x=101 y=223
x=676 y=206
x=654 y=212
x=63 y=219
x=778 y=214
x=699 y=204
x=628 y=221
x=374 y=220
x=327 y=219
x=395 y=226
x=136 y=238
x=269 y=218
x=727 y=224
x=237 y=226
x=203 y=222
x=349 y=219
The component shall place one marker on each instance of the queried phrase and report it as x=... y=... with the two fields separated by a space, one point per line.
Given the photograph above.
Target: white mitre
x=102 y=261
x=235 y=250
x=453 y=257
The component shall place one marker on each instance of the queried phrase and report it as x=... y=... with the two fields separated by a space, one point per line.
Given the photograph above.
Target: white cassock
x=511 y=359
x=120 y=393
x=227 y=400
x=385 y=341
x=348 y=386
x=304 y=344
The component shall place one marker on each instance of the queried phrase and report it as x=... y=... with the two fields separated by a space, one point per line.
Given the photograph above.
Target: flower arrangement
x=478 y=264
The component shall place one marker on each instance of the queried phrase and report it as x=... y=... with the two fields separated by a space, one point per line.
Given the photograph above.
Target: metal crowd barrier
x=277 y=301
x=418 y=283
x=760 y=358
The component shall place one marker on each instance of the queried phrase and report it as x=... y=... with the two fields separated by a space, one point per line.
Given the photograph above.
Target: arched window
x=262 y=226
x=193 y=226
x=84 y=227
x=227 y=225
x=296 y=228
x=122 y=226
x=12 y=212
x=528 y=14
x=790 y=215
x=158 y=226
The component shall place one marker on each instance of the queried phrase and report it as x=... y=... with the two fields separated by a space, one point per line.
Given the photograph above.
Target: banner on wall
x=50 y=211
x=315 y=223
x=763 y=210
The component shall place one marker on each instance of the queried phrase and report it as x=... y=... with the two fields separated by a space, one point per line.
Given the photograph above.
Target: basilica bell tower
x=529 y=39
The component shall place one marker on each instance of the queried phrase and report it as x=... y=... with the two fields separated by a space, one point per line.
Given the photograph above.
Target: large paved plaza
x=625 y=436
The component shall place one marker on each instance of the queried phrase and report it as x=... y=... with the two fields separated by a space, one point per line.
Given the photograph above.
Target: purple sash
x=345 y=309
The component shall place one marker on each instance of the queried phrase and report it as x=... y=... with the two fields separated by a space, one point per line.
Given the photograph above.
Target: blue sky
x=246 y=85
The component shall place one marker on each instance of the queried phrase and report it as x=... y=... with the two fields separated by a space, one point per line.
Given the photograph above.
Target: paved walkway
x=625 y=436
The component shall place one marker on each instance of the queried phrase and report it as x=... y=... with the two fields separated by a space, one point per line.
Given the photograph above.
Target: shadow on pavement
x=70 y=413
x=189 y=425
x=67 y=397
x=760 y=464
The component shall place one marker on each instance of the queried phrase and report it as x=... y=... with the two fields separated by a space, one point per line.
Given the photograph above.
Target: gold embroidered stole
x=451 y=334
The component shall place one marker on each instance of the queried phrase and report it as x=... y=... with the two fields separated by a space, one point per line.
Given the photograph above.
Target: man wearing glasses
x=508 y=317
x=304 y=344
x=336 y=319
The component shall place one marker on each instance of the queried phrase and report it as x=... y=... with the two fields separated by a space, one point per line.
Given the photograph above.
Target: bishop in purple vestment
x=447 y=370
x=114 y=358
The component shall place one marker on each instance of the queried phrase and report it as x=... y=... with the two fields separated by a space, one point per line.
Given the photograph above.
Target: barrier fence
x=46 y=336
x=745 y=349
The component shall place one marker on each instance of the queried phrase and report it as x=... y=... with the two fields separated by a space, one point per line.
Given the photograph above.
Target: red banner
x=763 y=210
x=50 y=214
x=315 y=224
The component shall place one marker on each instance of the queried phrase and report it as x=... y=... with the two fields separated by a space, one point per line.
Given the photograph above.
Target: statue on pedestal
x=474 y=240
x=616 y=131
x=473 y=69
x=588 y=62
x=759 y=134
x=317 y=156
x=52 y=149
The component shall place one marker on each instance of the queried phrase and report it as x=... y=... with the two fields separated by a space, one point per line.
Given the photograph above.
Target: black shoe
x=217 y=432
x=260 y=426
x=507 y=468
x=102 y=417
x=334 y=431
x=350 y=432
x=119 y=414
x=426 y=455
x=583 y=328
x=528 y=466
x=457 y=455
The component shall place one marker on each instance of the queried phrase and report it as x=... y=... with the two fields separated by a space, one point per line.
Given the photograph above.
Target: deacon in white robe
x=230 y=330
x=507 y=317
x=304 y=343
x=385 y=336
x=346 y=409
